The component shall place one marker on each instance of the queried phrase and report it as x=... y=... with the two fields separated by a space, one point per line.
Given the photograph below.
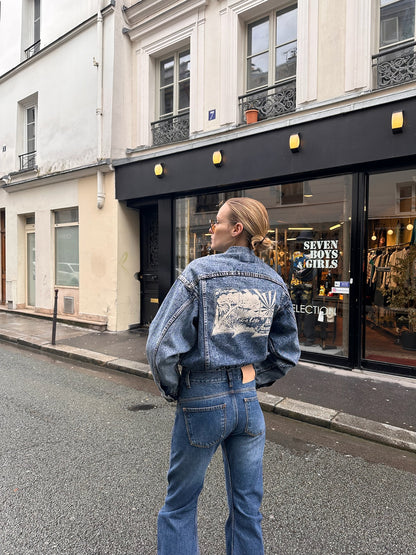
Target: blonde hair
x=252 y=214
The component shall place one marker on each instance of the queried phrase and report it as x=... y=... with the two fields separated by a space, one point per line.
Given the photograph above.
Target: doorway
x=30 y=262
x=3 y=255
x=149 y=263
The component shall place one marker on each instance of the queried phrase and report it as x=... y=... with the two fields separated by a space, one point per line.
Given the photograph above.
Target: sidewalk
x=374 y=406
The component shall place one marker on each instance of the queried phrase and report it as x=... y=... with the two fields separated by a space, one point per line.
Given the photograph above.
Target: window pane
x=286 y=61
x=257 y=71
x=184 y=95
x=66 y=216
x=184 y=65
x=67 y=256
x=258 y=37
x=286 y=27
x=397 y=21
x=390 y=295
x=31 y=269
x=30 y=115
x=166 y=72
x=166 y=101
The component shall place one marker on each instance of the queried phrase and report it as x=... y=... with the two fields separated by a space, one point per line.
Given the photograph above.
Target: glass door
x=30 y=268
x=390 y=288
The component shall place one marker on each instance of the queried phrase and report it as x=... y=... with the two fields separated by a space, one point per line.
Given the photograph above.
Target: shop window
x=395 y=62
x=313 y=256
x=271 y=64
x=390 y=294
x=66 y=248
x=174 y=98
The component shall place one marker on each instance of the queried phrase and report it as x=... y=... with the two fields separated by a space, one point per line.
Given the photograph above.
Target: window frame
x=273 y=46
x=73 y=223
x=399 y=42
x=176 y=55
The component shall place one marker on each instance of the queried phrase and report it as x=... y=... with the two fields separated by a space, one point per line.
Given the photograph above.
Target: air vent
x=68 y=305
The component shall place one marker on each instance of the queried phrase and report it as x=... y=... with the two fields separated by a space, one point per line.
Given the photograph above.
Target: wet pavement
x=378 y=406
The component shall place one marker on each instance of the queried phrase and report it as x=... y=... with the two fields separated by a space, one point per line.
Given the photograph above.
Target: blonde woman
x=226 y=328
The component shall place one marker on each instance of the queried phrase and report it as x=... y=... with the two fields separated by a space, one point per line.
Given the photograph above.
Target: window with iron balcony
x=271 y=65
x=395 y=63
x=173 y=96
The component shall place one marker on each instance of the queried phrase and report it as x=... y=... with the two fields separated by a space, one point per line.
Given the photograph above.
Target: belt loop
x=229 y=377
x=187 y=378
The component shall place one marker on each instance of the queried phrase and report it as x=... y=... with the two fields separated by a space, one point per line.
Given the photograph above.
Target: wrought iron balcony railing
x=171 y=129
x=32 y=50
x=395 y=66
x=271 y=102
x=27 y=161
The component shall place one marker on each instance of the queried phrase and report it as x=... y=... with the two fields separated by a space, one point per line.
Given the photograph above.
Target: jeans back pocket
x=254 y=417
x=205 y=426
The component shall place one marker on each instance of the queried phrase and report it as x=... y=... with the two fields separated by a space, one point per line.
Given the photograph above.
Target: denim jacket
x=224 y=310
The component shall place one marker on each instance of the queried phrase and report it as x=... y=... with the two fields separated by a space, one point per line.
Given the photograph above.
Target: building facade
x=63 y=117
x=125 y=126
x=331 y=153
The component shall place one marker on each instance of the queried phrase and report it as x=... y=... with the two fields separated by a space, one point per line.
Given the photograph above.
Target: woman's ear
x=238 y=229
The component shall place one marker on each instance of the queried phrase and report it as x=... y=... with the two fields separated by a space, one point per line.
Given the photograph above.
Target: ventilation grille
x=68 y=305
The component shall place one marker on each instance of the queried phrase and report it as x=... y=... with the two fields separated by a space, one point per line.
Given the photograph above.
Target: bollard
x=55 y=312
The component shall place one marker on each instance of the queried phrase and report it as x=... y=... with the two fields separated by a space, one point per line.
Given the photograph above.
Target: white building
x=64 y=115
x=143 y=94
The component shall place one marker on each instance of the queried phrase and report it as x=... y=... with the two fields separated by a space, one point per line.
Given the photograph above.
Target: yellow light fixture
x=390 y=232
x=159 y=169
x=217 y=158
x=294 y=142
x=397 y=122
x=336 y=226
x=300 y=228
x=373 y=237
x=409 y=226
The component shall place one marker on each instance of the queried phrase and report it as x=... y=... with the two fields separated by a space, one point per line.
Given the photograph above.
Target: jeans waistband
x=221 y=374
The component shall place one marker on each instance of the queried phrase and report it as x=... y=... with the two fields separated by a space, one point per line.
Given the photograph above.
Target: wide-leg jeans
x=215 y=408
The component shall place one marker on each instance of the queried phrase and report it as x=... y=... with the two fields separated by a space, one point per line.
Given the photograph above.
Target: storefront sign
x=322 y=254
x=314 y=309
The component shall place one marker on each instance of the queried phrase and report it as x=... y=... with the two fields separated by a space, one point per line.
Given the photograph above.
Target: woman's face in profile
x=221 y=233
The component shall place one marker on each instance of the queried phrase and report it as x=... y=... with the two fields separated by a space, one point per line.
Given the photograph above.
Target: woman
x=225 y=328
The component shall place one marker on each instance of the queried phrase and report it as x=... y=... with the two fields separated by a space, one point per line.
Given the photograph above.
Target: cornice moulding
x=147 y=19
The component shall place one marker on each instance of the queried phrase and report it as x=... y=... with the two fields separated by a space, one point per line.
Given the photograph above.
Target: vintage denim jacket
x=224 y=310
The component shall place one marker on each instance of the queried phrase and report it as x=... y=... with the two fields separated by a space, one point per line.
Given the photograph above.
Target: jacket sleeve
x=284 y=350
x=171 y=334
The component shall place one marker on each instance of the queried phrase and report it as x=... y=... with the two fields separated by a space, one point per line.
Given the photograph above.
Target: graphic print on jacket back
x=243 y=311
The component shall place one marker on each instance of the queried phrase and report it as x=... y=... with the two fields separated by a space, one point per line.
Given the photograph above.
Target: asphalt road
x=84 y=455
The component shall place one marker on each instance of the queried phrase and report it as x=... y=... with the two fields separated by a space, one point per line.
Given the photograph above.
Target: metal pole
x=55 y=311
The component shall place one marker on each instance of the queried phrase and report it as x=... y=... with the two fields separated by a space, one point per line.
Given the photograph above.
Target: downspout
x=99 y=110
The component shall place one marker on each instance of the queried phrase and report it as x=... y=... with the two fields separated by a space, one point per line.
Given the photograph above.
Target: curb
x=299 y=410
x=340 y=421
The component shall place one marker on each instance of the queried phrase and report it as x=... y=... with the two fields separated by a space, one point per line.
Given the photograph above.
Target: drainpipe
x=99 y=110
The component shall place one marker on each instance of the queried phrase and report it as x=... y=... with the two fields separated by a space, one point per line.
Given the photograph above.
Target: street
x=84 y=455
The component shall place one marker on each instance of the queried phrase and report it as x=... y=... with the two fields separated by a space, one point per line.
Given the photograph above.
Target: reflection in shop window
x=312 y=238
x=390 y=295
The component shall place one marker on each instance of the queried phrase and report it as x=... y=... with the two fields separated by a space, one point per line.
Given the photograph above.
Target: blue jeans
x=215 y=408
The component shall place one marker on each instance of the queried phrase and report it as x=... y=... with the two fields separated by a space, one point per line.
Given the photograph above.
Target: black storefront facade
x=342 y=210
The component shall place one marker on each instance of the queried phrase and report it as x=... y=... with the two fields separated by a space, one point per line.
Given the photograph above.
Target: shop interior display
x=391 y=284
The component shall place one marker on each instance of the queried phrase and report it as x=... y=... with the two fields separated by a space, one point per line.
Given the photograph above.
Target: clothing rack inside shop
x=392 y=247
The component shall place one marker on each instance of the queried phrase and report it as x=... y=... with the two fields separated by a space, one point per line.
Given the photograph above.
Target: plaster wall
x=40 y=202
x=331 y=49
x=108 y=258
x=66 y=102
